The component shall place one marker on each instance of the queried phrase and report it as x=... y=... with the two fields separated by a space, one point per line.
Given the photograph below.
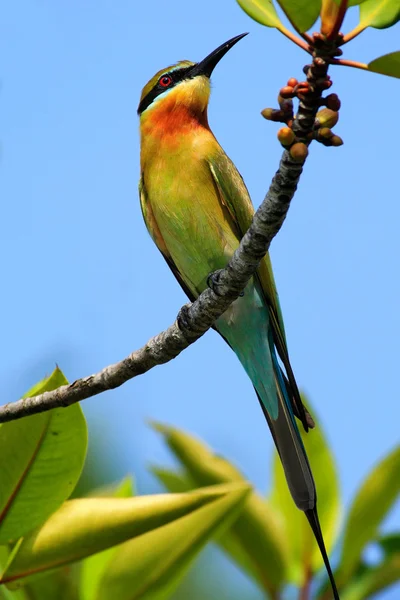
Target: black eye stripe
x=176 y=76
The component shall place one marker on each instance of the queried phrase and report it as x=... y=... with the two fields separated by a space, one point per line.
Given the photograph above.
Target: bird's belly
x=195 y=226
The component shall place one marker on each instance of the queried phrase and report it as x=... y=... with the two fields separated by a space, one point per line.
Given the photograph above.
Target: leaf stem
x=349 y=63
x=307 y=37
x=338 y=21
x=354 y=33
x=296 y=39
x=303 y=34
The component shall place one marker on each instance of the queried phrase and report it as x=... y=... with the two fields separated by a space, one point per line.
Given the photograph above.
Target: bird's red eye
x=165 y=81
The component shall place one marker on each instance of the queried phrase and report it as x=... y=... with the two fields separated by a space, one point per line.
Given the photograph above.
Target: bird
x=197 y=208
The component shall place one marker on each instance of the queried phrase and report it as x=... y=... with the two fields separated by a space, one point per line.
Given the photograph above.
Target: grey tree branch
x=196 y=318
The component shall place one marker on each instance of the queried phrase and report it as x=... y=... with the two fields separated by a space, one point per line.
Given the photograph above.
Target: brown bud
x=332 y=101
x=286 y=104
x=292 y=82
x=286 y=92
x=325 y=132
x=267 y=113
x=286 y=136
x=302 y=92
x=317 y=40
x=303 y=84
x=302 y=89
x=274 y=114
x=299 y=152
x=326 y=118
x=340 y=39
x=325 y=84
x=336 y=140
x=306 y=68
x=319 y=61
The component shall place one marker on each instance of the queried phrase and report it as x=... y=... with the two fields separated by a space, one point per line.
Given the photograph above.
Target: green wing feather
x=235 y=196
x=157 y=238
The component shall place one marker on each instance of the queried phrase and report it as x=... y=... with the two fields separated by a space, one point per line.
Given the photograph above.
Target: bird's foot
x=213 y=282
x=183 y=320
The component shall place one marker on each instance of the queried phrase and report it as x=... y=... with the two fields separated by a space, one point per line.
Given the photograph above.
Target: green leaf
x=47 y=384
x=301 y=13
x=351 y=2
x=150 y=567
x=371 y=504
x=257 y=531
x=262 y=11
x=94 y=567
x=389 y=64
x=41 y=460
x=174 y=482
x=6 y=594
x=58 y=584
x=88 y=525
x=118 y=489
x=390 y=543
x=373 y=579
x=178 y=482
x=379 y=13
x=303 y=548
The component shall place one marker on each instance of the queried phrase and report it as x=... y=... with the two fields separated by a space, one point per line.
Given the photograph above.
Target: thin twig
x=195 y=319
x=354 y=33
x=349 y=63
x=296 y=40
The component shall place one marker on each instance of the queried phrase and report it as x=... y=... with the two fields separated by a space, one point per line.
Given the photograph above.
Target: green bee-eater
x=197 y=208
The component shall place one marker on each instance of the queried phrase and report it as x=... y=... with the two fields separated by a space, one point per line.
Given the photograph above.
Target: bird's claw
x=213 y=282
x=183 y=319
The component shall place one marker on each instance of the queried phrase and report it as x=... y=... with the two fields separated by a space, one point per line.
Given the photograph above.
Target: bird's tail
x=295 y=462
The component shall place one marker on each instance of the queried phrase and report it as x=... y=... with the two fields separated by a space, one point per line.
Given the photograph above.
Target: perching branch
x=195 y=319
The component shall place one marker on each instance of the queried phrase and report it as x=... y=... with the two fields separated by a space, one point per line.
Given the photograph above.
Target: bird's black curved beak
x=207 y=65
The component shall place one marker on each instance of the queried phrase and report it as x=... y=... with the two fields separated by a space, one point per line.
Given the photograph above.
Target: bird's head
x=185 y=84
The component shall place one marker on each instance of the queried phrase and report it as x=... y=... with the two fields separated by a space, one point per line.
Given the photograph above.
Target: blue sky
x=83 y=285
